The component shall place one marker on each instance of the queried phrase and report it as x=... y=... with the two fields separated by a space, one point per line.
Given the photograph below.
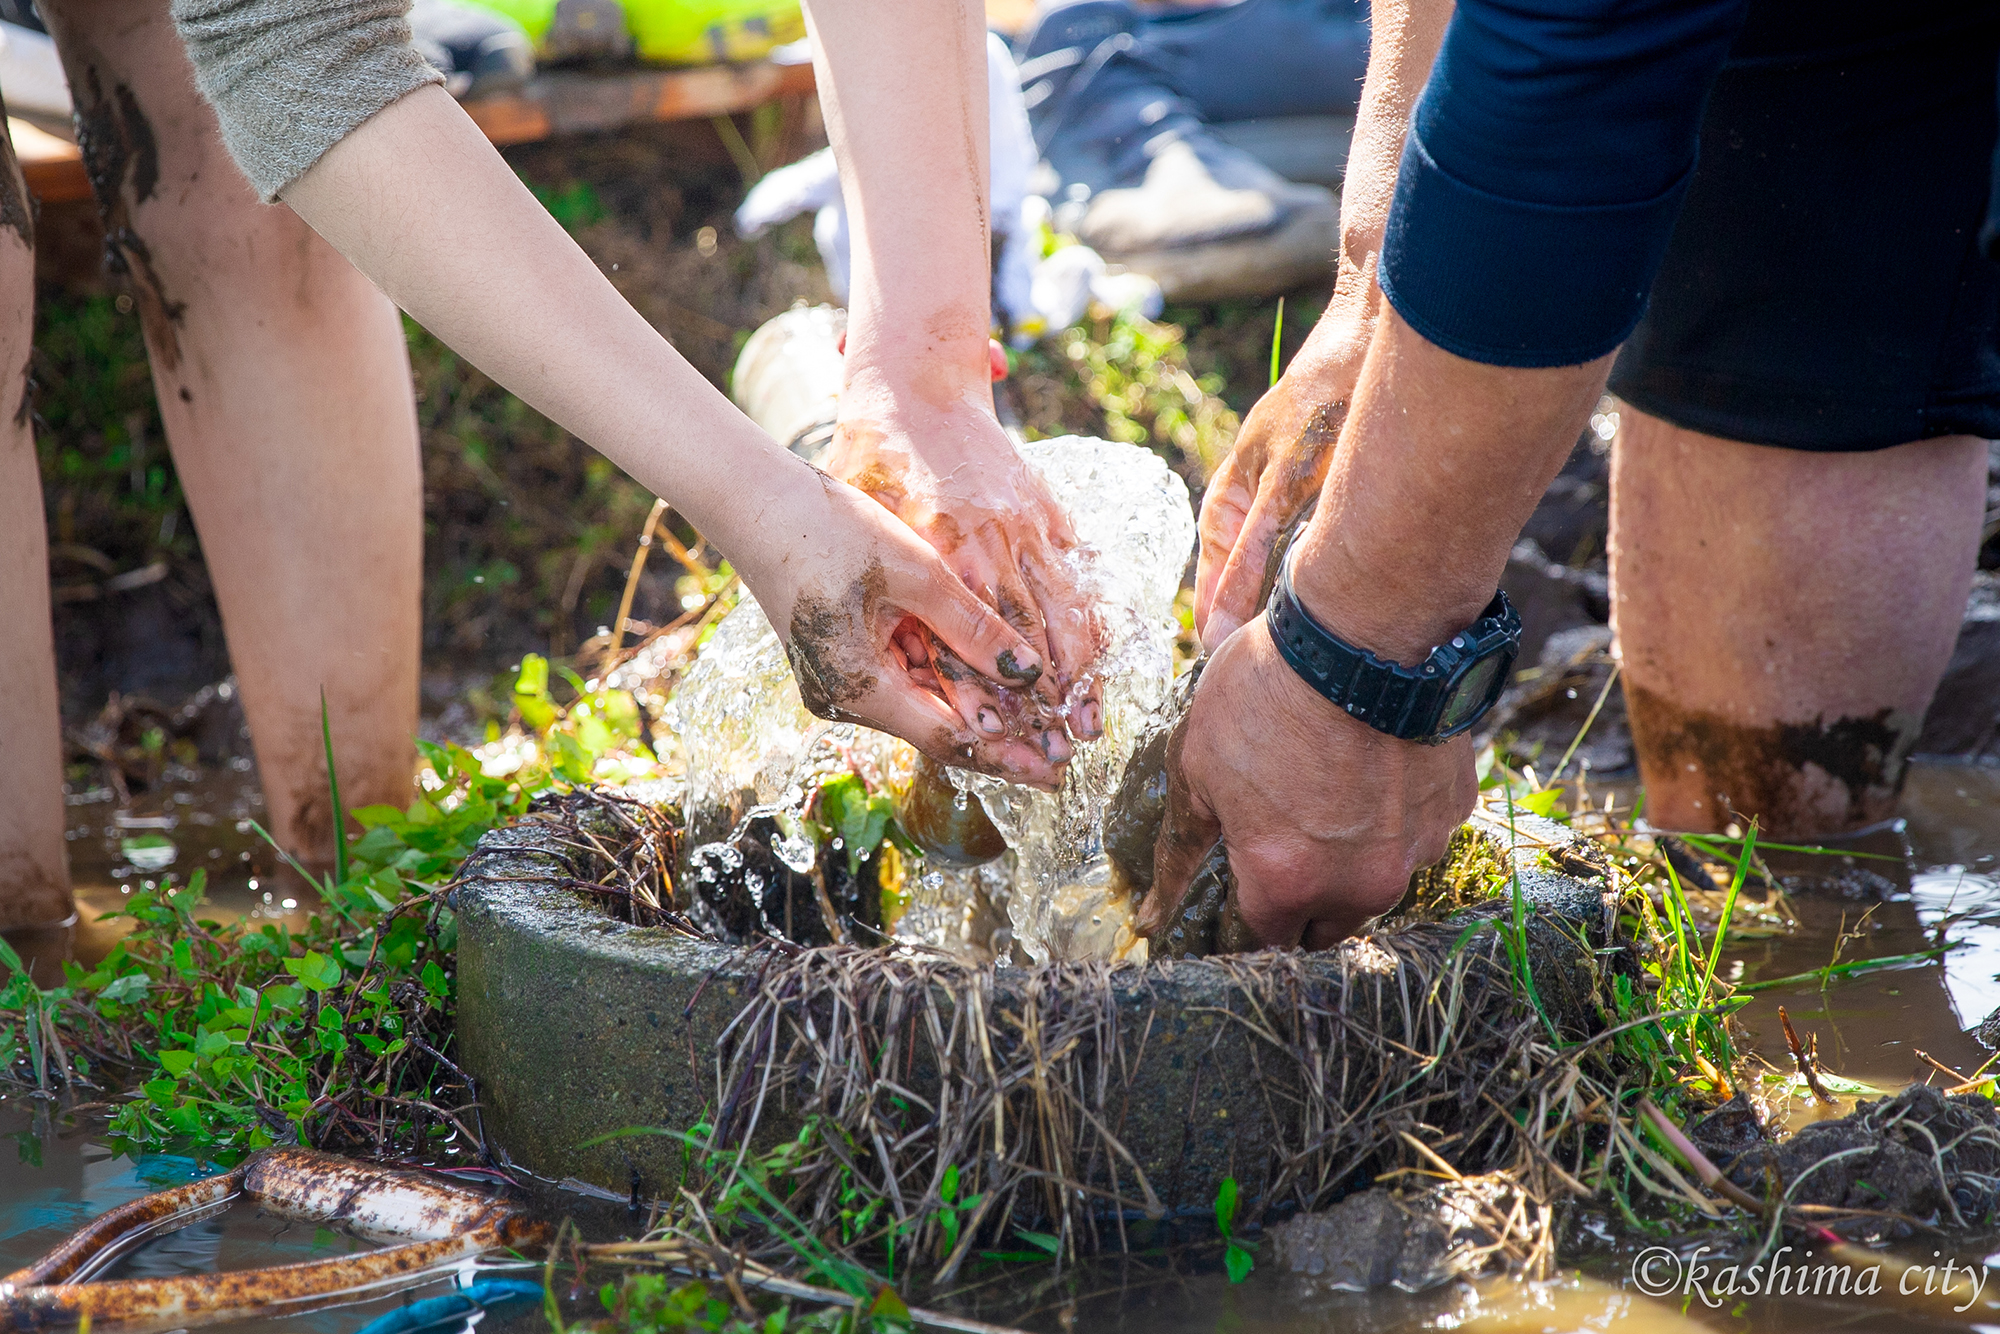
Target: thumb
x=1223 y=510
x=1253 y=566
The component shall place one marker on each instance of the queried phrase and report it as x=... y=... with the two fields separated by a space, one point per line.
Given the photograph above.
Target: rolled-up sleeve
x=1544 y=167
x=289 y=79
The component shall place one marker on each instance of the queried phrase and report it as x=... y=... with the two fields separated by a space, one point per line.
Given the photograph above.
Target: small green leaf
x=531 y=693
x=176 y=1063
x=283 y=997
x=1051 y=1244
x=1541 y=803
x=126 y=989
x=887 y=1303
x=1225 y=1206
x=315 y=972
x=1238 y=1262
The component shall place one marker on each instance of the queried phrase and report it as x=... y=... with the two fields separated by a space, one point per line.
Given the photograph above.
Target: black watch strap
x=1436 y=700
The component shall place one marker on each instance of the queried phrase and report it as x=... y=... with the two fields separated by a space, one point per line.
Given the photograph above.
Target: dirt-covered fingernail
x=1090 y=720
x=1055 y=745
x=1026 y=670
x=989 y=721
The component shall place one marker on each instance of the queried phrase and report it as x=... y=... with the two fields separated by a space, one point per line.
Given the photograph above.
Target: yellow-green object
x=708 y=32
x=534 y=15
x=682 y=32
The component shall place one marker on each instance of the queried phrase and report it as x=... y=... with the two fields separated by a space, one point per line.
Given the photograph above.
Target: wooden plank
x=52 y=165
x=1010 y=18
x=559 y=102
x=565 y=102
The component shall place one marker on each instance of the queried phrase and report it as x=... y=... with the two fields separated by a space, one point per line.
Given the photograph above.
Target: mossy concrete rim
x=576 y=1026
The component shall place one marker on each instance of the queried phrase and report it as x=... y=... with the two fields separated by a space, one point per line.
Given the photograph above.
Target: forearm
x=903 y=88
x=419 y=201
x=1403 y=37
x=1539 y=177
x=1440 y=464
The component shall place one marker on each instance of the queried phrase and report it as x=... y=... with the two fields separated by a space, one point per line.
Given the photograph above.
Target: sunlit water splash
x=751 y=744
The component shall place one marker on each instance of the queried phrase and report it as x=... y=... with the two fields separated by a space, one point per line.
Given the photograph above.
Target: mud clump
x=1205 y=921
x=1921 y=1157
x=1412 y=1240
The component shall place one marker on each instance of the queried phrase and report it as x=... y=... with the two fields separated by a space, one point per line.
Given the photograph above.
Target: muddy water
x=1934 y=880
x=56 y=1173
x=190 y=820
x=1943 y=869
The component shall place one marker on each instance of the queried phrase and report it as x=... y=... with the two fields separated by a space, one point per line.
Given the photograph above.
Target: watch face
x=1469 y=695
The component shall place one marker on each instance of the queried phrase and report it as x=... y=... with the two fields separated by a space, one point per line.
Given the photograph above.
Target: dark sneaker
x=1143 y=181
x=478 y=52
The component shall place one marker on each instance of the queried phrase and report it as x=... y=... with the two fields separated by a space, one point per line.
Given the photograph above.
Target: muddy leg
x=1784 y=618
x=285 y=387
x=34 y=866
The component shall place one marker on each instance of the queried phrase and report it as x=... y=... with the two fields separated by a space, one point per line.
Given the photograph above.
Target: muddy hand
x=1324 y=818
x=1265 y=489
x=860 y=597
x=953 y=476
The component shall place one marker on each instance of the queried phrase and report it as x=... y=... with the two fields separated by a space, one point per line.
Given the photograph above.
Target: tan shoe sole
x=1299 y=250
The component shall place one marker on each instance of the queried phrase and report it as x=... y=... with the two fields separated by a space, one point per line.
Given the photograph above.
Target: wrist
x=917 y=388
x=919 y=355
x=1429 y=702
x=1398 y=608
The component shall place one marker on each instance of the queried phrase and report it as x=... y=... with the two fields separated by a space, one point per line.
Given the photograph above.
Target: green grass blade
x=1709 y=843
x=1853 y=968
x=1589 y=718
x=1675 y=902
x=1729 y=907
x=333 y=786
x=1277 y=336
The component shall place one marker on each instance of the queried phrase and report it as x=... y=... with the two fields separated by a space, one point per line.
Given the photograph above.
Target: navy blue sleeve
x=1989 y=235
x=1544 y=167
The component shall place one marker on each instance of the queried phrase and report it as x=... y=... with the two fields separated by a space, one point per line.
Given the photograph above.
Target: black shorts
x=1825 y=288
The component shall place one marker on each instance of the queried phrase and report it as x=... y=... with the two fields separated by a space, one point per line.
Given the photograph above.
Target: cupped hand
x=950 y=473
x=866 y=608
x=1267 y=485
x=1324 y=818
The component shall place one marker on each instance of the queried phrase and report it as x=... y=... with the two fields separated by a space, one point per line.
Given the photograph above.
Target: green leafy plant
x=951 y=1209
x=1236 y=1256
x=1132 y=374
x=241 y=1034
x=845 y=809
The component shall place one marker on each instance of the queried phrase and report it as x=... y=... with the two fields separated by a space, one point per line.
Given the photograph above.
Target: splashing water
x=750 y=743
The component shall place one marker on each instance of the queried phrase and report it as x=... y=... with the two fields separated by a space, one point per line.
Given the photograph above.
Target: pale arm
x=421 y=203
x=903 y=87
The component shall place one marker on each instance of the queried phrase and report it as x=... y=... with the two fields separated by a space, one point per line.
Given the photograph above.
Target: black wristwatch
x=1432 y=702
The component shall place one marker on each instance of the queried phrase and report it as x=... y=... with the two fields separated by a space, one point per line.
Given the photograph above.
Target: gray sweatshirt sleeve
x=289 y=79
